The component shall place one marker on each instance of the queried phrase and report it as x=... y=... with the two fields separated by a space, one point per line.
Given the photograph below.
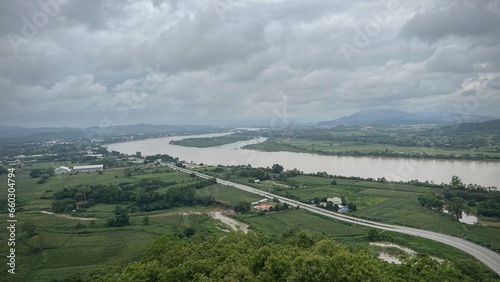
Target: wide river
x=479 y=172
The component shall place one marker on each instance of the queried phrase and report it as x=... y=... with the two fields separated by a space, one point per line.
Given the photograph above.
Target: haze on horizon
x=103 y=63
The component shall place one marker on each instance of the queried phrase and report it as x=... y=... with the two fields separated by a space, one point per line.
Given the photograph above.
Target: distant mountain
x=385 y=116
x=390 y=116
x=152 y=129
x=44 y=133
x=15 y=131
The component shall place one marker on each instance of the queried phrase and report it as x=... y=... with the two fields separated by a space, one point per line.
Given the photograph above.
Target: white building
x=335 y=200
x=62 y=170
x=85 y=168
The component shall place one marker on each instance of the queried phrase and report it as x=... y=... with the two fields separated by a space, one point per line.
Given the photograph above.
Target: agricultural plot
x=228 y=195
x=280 y=222
x=68 y=249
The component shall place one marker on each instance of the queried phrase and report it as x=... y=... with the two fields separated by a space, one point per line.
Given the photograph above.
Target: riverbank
x=205 y=142
x=396 y=169
x=371 y=150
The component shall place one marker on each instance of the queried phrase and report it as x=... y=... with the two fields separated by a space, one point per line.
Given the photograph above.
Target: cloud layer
x=88 y=63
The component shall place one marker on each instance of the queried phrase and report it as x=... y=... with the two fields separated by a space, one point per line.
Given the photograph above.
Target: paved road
x=488 y=257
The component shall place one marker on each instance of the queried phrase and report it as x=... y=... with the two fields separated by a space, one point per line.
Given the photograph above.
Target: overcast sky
x=101 y=63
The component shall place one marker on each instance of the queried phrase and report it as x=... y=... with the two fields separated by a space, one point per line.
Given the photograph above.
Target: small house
x=263 y=207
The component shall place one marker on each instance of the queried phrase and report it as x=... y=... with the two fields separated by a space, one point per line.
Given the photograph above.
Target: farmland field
x=393 y=203
x=67 y=246
x=278 y=223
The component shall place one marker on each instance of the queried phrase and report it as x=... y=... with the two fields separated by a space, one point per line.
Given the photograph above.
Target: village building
x=86 y=168
x=335 y=200
x=62 y=170
x=263 y=207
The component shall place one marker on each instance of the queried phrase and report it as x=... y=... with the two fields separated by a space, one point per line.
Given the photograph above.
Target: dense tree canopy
x=142 y=195
x=259 y=257
x=277 y=168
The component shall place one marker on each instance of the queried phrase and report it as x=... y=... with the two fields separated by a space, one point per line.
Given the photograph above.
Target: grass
x=70 y=250
x=228 y=195
x=385 y=202
x=280 y=222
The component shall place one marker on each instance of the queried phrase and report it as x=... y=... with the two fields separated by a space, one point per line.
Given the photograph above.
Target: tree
x=120 y=218
x=242 y=207
x=352 y=207
x=316 y=201
x=335 y=207
x=430 y=200
x=456 y=183
x=36 y=243
x=127 y=172
x=29 y=228
x=43 y=179
x=190 y=231
x=373 y=234
x=490 y=208
x=276 y=168
x=456 y=206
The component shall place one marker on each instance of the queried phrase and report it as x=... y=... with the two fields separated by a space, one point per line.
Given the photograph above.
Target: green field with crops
x=280 y=222
x=64 y=247
x=393 y=203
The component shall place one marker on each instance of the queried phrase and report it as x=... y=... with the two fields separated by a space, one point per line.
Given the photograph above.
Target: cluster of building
x=335 y=201
x=81 y=168
x=261 y=205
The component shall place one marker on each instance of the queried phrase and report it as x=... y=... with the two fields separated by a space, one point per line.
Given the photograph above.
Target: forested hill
x=294 y=256
x=491 y=127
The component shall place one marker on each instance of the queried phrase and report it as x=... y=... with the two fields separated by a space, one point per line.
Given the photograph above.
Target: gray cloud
x=462 y=19
x=123 y=62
